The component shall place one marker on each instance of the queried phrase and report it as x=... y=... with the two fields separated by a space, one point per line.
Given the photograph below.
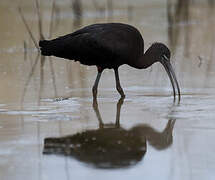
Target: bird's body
x=107 y=45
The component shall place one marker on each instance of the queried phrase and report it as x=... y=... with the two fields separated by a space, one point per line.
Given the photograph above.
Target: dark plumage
x=109 y=45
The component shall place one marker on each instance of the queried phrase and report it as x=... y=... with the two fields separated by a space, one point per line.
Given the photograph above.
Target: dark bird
x=110 y=45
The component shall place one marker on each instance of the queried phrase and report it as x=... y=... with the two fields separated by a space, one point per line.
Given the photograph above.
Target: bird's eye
x=165 y=57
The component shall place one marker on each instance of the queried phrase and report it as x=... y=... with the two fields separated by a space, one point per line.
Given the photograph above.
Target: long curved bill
x=168 y=67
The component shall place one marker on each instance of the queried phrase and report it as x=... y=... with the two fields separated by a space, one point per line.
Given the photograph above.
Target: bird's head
x=159 y=50
x=162 y=54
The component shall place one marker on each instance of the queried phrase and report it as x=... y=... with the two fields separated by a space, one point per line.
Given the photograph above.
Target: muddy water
x=48 y=127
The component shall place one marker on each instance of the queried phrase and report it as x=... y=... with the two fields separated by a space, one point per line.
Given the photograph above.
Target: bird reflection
x=110 y=146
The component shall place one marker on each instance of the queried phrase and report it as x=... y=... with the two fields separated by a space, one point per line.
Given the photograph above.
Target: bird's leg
x=95 y=86
x=118 y=86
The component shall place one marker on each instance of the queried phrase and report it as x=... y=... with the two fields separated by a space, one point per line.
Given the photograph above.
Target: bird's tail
x=45 y=47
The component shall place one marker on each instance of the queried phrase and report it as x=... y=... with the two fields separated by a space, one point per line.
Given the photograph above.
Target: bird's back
x=107 y=45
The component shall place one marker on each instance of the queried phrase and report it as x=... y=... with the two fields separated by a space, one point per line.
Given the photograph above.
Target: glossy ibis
x=109 y=45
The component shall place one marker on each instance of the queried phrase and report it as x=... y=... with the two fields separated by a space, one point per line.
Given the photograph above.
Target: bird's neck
x=145 y=60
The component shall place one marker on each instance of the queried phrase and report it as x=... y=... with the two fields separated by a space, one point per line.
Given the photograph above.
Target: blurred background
x=185 y=26
x=44 y=97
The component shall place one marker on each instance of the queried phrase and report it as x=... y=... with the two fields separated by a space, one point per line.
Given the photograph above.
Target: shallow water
x=49 y=128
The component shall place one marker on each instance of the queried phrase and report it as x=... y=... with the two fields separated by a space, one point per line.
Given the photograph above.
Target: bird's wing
x=89 y=45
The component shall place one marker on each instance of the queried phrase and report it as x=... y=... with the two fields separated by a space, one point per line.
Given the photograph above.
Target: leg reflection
x=119 y=105
x=118 y=110
x=98 y=115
